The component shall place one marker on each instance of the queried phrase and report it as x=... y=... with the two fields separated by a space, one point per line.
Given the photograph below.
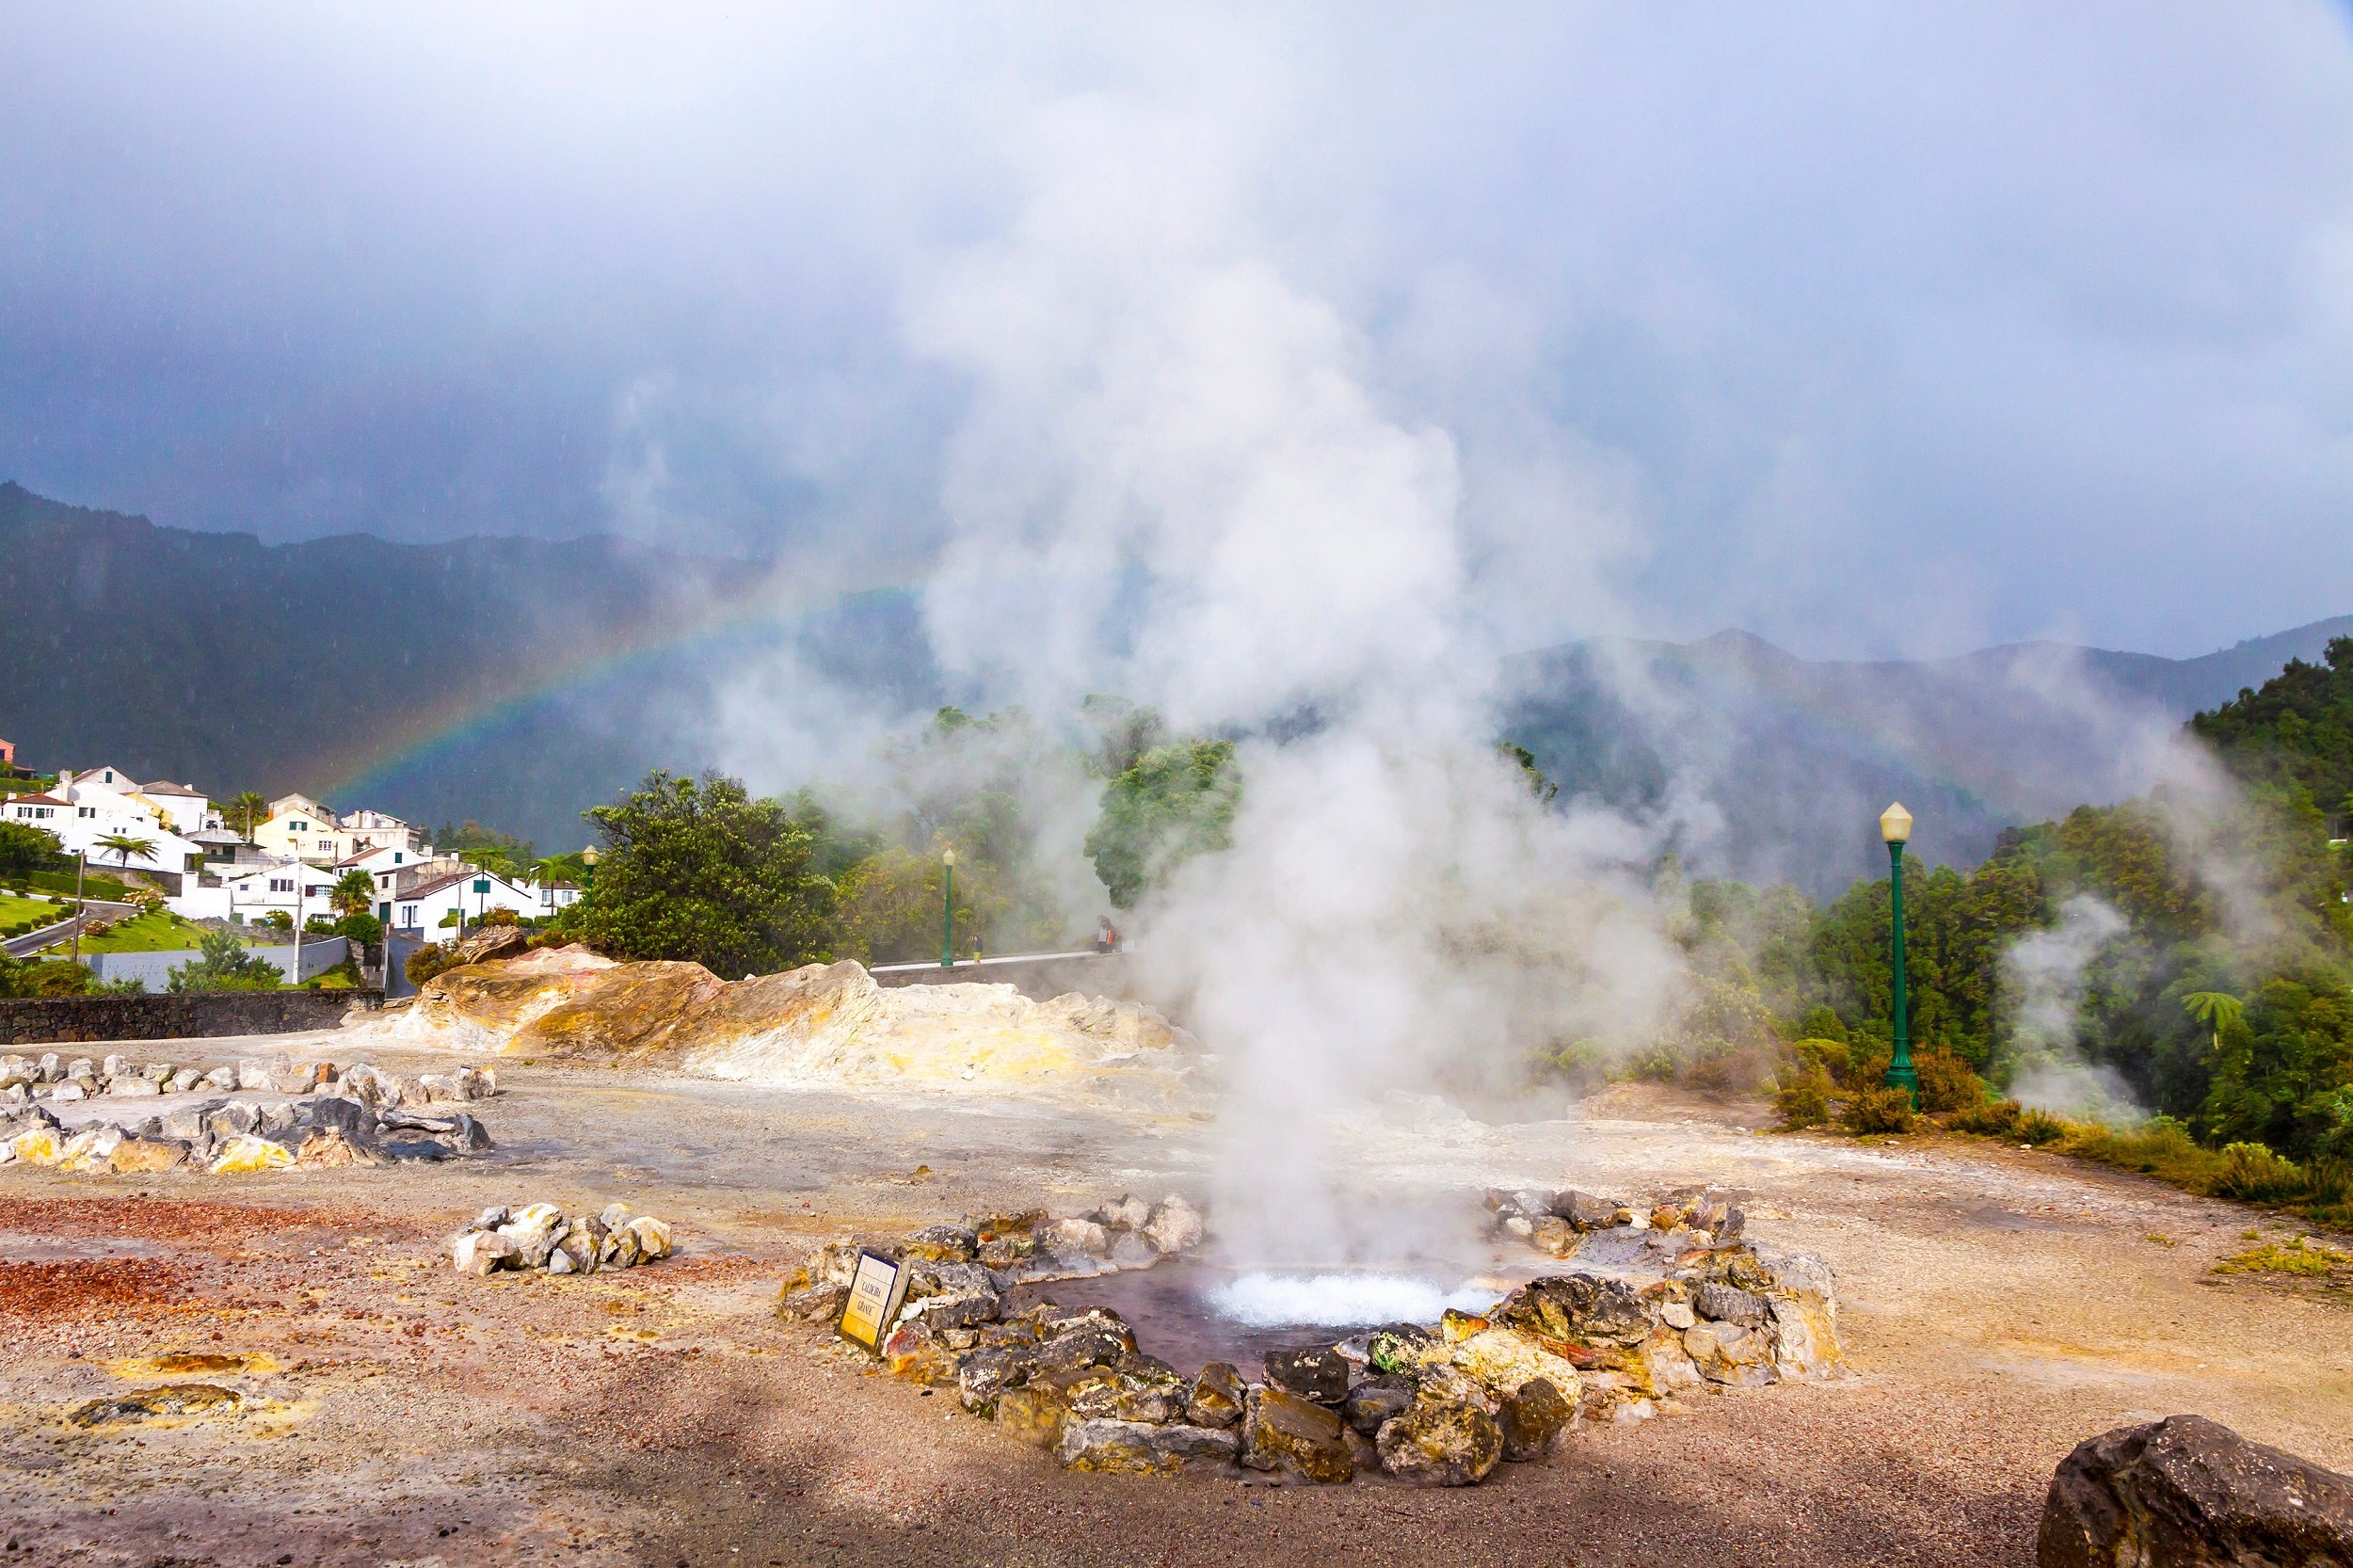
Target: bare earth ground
x=1998 y=1306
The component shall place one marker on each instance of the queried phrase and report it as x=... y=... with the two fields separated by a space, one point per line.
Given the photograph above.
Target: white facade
x=425 y=904
x=90 y=812
x=374 y=830
x=278 y=888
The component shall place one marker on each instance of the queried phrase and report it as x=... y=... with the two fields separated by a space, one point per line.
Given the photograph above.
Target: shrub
x=1990 y=1118
x=2252 y=1173
x=426 y=962
x=1803 y=1097
x=1946 y=1082
x=222 y=964
x=1878 y=1110
x=498 y=917
x=2038 y=1128
x=1743 y=1069
x=1866 y=1067
x=1823 y=1052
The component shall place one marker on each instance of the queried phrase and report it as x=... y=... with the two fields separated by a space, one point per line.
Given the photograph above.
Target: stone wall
x=153 y=969
x=44 y=1021
x=1039 y=978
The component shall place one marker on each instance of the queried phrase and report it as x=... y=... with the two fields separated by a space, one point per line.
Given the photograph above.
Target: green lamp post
x=587 y=871
x=1895 y=827
x=948 y=910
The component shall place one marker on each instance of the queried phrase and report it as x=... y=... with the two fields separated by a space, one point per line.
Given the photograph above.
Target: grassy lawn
x=155 y=933
x=14 y=908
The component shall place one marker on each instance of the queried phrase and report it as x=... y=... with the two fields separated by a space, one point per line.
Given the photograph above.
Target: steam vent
x=1635 y=1309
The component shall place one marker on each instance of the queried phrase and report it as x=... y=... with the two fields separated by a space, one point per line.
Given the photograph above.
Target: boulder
x=1440 y=1443
x=133 y=1088
x=986 y=1374
x=619 y=1249
x=1730 y=1354
x=1532 y=1418
x=942 y=1244
x=1578 y=1307
x=1128 y=1213
x=37 y=1146
x=1319 y=1373
x=247 y=1152
x=1085 y=1238
x=90 y=1150
x=811 y=1304
x=1586 y=1211
x=1139 y=1447
x=1549 y=1233
x=139 y=1155
x=1375 y=1402
x=1283 y=1432
x=2187 y=1493
x=532 y=1229
x=1502 y=1360
x=653 y=1238
x=914 y=1351
x=489 y=944
x=1217 y=1396
x=478 y=1252
x=1034 y=1413
x=328 y=1148
x=1173 y=1226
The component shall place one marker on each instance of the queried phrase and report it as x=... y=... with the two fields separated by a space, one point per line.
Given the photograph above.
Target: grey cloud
x=1872 y=329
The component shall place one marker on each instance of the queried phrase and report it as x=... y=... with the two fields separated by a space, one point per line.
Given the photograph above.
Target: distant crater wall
x=64 y=1020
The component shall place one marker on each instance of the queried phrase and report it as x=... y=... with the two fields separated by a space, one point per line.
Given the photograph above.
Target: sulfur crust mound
x=819 y=1026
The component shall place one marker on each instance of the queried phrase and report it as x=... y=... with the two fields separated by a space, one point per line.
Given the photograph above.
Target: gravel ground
x=1998 y=1305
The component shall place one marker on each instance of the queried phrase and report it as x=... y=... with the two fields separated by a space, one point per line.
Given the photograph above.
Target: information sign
x=877 y=1293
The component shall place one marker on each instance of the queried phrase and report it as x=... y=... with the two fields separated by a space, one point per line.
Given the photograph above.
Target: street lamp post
x=1895 y=827
x=948 y=910
x=589 y=871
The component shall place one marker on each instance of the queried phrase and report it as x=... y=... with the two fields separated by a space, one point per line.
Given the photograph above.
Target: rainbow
x=423 y=735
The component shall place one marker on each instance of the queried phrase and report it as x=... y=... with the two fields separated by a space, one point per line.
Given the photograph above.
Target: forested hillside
x=2198 y=953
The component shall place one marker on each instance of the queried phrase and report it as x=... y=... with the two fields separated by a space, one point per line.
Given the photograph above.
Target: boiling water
x=1187 y=1311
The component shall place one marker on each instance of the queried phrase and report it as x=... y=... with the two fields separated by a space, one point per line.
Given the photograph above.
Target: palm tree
x=353 y=892
x=127 y=845
x=2216 y=1010
x=247 y=811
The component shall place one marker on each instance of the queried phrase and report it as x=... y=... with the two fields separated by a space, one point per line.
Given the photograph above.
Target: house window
x=86 y=811
x=282 y=883
x=299 y=827
x=110 y=775
x=396 y=857
x=408 y=914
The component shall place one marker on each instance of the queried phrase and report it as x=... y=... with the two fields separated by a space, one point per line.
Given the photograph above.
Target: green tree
x=1177 y=801
x=223 y=963
x=26 y=849
x=353 y=894
x=246 y=813
x=2216 y=1010
x=125 y=845
x=700 y=869
x=1544 y=789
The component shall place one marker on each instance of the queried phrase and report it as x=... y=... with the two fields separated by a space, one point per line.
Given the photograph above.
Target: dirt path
x=1998 y=1306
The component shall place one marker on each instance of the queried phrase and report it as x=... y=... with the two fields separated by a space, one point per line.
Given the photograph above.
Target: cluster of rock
x=50 y=1078
x=1436 y=1405
x=1741 y=1322
x=312 y=1115
x=964 y=1270
x=538 y=1236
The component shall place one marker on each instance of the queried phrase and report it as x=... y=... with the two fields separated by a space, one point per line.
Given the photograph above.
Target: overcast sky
x=1872 y=329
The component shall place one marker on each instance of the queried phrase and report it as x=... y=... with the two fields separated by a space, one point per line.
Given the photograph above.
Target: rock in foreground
x=2187 y=1493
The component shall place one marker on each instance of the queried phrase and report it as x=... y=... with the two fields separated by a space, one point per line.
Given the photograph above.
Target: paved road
x=53 y=936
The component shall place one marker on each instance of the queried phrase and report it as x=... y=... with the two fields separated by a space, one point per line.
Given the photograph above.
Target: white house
x=283 y=888
x=372 y=829
x=425 y=903
x=181 y=809
x=83 y=813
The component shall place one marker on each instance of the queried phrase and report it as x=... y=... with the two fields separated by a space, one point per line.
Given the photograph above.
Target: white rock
x=68 y=1092
x=221 y=1077
x=186 y=1081
x=533 y=1230
x=1175 y=1226
x=114 y=1066
x=253 y=1076
x=1131 y=1212
x=133 y=1088
x=653 y=1238
x=478 y=1252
